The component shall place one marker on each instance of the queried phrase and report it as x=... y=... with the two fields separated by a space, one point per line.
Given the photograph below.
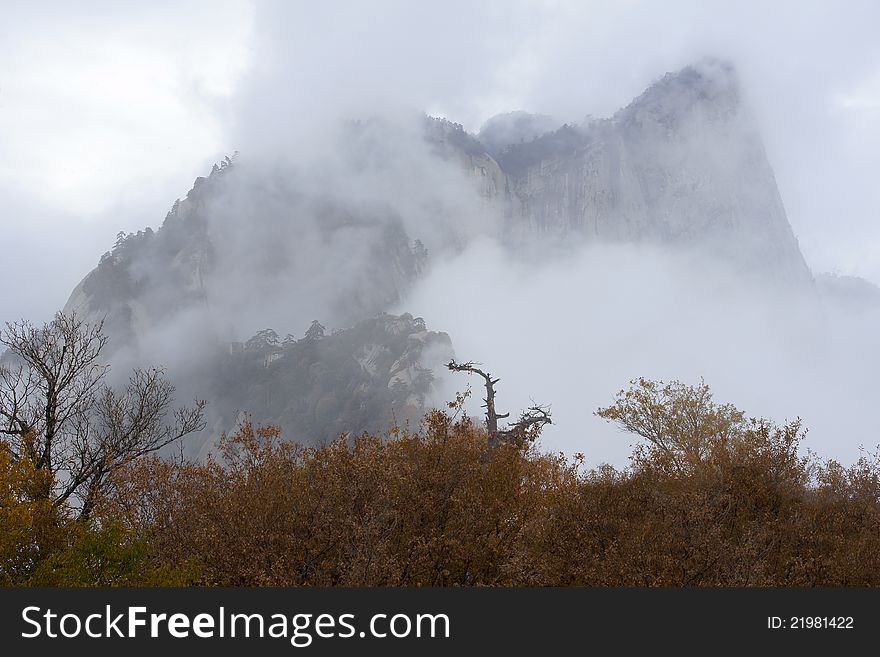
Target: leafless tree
x=524 y=430
x=57 y=412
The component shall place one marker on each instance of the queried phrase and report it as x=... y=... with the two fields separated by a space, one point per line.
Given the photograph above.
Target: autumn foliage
x=710 y=498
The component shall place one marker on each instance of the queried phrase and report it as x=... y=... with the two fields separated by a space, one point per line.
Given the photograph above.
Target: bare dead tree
x=524 y=430
x=57 y=412
x=528 y=427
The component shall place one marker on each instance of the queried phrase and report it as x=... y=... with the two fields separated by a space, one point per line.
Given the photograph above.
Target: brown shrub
x=729 y=502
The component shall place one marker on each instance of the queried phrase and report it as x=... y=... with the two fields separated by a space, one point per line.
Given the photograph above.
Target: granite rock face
x=683 y=164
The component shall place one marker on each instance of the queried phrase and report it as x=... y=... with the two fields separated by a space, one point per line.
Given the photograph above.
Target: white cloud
x=574 y=329
x=97 y=106
x=107 y=114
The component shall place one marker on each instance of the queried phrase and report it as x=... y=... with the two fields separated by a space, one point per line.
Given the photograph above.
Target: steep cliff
x=683 y=164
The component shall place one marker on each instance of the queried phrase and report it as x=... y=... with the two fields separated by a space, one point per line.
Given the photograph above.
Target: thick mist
x=810 y=70
x=572 y=330
x=318 y=216
x=337 y=232
x=329 y=234
x=697 y=275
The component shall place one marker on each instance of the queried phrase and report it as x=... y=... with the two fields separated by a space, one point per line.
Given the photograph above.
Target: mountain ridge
x=682 y=165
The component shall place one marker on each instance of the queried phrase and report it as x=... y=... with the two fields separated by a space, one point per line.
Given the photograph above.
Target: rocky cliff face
x=150 y=276
x=683 y=164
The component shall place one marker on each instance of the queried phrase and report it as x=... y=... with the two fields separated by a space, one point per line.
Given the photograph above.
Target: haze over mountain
x=653 y=242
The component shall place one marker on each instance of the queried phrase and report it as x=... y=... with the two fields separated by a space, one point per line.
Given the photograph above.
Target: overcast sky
x=109 y=110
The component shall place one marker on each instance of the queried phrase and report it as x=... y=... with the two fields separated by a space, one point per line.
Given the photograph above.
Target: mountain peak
x=710 y=83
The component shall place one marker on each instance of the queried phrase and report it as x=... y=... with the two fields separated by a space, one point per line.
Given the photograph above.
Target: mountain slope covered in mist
x=365 y=378
x=345 y=228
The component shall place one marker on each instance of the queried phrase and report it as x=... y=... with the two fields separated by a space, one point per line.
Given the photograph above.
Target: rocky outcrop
x=683 y=164
x=149 y=276
x=363 y=378
x=451 y=142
